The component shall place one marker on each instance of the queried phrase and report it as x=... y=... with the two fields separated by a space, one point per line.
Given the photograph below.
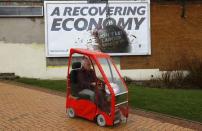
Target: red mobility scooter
x=110 y=103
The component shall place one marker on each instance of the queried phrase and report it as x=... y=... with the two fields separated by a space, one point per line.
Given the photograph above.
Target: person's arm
x=93 y=78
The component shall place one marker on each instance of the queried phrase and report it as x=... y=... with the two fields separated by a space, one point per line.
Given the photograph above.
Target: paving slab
x=27 y=109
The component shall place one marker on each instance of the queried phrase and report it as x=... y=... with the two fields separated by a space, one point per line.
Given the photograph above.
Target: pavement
x=28 y=109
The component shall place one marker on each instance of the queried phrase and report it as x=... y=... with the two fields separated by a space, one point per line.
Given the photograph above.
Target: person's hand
x=93 y=83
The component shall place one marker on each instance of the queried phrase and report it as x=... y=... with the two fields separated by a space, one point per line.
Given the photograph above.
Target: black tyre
x=71 y=112
x=101 y=120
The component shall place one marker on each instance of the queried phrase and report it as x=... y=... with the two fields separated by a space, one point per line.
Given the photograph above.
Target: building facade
x=176 y=33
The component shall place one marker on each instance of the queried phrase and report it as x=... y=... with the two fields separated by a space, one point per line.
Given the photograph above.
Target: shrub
x=172 y=79
x=128 y=80
x=194 y=76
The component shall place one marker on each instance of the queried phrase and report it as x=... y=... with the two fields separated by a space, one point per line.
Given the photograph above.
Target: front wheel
x=101 y=120
x=71 y=112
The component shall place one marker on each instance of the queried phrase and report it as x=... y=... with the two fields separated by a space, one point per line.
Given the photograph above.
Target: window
x=21 y=11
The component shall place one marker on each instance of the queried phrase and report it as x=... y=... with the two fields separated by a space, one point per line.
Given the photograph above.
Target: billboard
x=78 y=24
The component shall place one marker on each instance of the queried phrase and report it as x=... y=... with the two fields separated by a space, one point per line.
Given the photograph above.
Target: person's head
x=86 y=63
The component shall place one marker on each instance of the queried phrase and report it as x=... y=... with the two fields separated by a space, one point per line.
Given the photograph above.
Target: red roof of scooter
x=88 y=52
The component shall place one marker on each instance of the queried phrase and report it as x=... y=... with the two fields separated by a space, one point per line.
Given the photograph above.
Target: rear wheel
x=71 y=112
x=101 y=120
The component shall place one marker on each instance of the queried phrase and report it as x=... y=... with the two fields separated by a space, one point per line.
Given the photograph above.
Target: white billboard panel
x=72 y=24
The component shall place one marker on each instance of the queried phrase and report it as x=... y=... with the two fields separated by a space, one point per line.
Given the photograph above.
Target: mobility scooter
x=110 y=103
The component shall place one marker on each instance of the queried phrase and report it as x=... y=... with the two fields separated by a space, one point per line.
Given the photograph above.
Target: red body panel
x=83 y=108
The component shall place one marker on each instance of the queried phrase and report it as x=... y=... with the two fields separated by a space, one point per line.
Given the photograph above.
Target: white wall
x=29 y=60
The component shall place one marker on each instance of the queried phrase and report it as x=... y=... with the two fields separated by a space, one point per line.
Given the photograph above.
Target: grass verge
x=176 y=102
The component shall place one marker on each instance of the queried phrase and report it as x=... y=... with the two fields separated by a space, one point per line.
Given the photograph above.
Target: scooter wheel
x=101 y=120
x=71 y=113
